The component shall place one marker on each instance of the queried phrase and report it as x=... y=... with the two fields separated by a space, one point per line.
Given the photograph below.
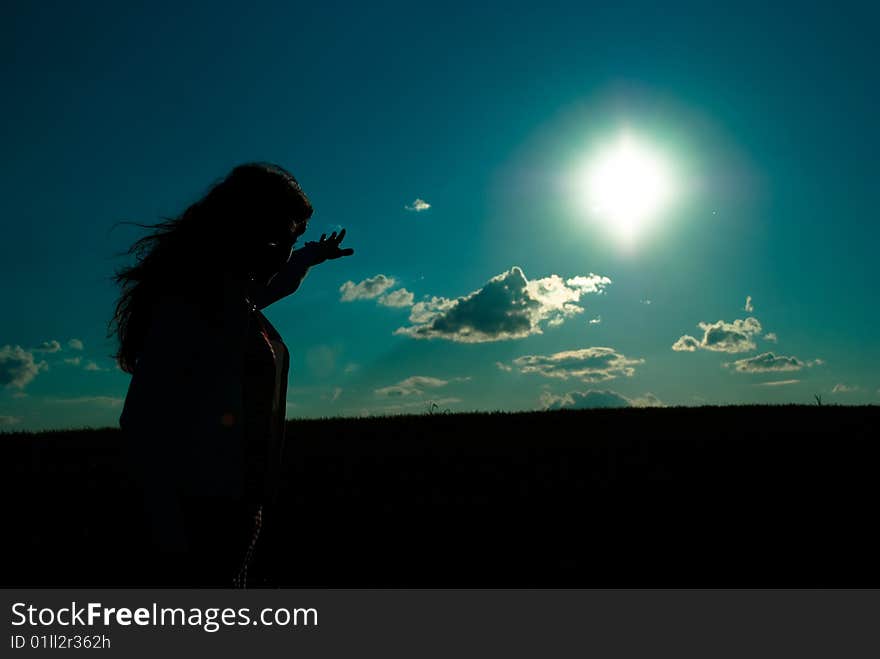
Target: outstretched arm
x=297 y=267
x=286 y=281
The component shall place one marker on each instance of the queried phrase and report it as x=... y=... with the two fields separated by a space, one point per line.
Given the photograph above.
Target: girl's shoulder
x=181 y=325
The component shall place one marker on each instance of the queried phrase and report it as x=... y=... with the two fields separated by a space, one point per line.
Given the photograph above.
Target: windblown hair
x=189 y=254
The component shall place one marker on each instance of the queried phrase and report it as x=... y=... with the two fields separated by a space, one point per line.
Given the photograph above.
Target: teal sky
x=765 y=116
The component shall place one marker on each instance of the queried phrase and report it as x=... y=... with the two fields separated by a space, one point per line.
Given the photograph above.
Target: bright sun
x=626 y=186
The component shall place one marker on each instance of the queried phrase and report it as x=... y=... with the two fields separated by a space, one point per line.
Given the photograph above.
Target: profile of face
x=272 y=247
x=259 y=211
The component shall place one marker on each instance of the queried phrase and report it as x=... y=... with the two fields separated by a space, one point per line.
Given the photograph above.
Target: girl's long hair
x=189 y=254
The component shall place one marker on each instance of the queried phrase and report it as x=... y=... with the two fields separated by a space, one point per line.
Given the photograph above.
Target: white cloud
x=48 y=346
x=88 y=365
x=722 y=336
x=769 y=362
x=771 y=337
x=730 y=337
x=585 y=284
x=594 y=399
x=503 y=366
x=587 y=364
x=75 y=344
x=107 y=401
x=686 y=343
x=427 y=310
x=418 y=205
x=6 y=420
x=508 y=306
x=333 y=395
x=369 y=288
x=749 y=307
x=408 y=407
x=399 y=298
x=647 y=400
x=411 y=386
x=17 y=366
x=596 y=320
x=776 y=383
x=843 y=389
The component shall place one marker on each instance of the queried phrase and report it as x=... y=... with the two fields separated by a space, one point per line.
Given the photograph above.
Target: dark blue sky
x=765 y=116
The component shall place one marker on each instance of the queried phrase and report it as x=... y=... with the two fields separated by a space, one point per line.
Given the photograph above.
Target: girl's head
x=252 y=218
x=243 y=228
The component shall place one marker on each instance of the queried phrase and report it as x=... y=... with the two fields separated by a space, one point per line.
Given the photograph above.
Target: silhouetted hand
x=324 y=249
x=291 y=275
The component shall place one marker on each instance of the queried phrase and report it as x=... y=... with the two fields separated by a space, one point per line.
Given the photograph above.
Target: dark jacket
x=185 y=424
x=183 y=418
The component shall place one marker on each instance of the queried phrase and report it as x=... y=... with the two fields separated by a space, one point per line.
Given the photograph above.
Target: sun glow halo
x=626 y=186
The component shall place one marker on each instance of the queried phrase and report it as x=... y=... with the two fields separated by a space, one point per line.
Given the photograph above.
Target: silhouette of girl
x=204 y=417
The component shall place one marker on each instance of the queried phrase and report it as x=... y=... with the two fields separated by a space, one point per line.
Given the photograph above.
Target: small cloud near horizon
x=721 y=336
x=415 y=385
x=48 y=346
x=418 y=205
x=18 y=367
x=89 y=365
x=770 y=362
x=333 y=395
x=595 y=399
x=595 y=364
x=109 y=401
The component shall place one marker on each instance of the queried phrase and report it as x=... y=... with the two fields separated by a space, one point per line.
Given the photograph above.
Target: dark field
x=730 y=496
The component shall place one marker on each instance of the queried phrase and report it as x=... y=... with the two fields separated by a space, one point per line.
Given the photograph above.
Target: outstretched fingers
x=348 y=251
x=329 y=247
